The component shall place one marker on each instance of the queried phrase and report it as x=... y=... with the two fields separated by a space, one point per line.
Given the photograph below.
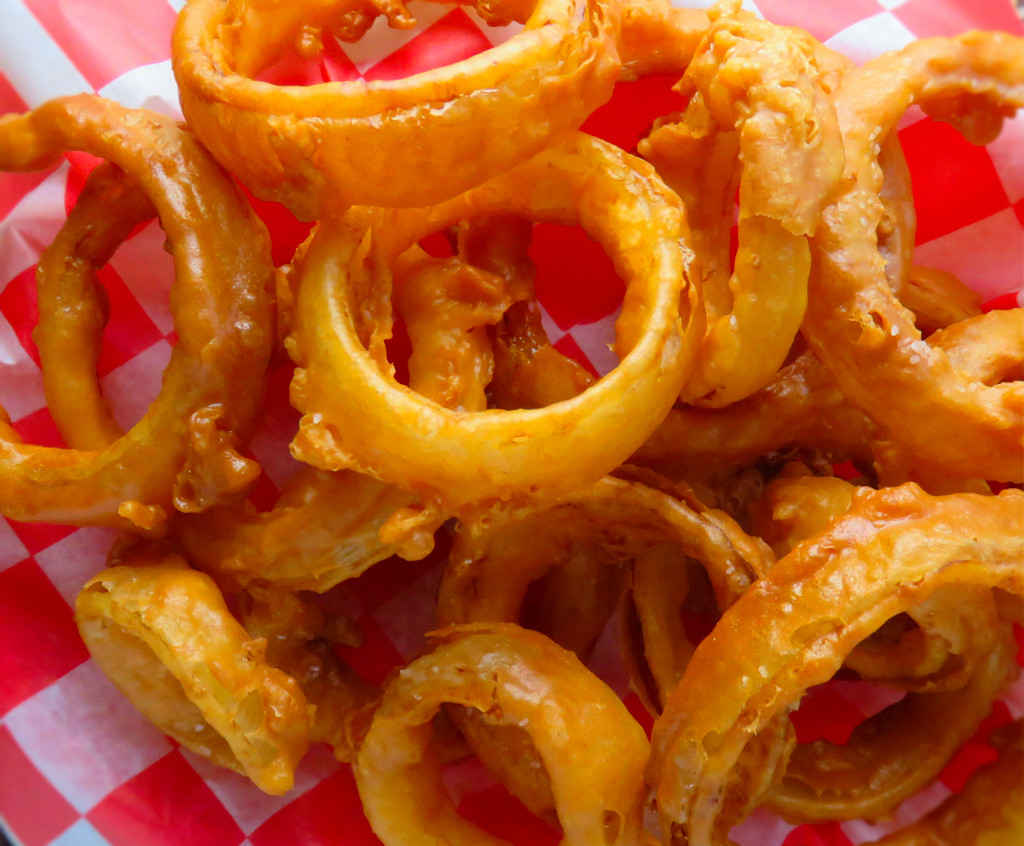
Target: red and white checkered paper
x=77 y=764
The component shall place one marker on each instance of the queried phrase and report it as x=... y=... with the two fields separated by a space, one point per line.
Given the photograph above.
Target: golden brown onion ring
x=854 y=322
x=329 y=527
x=223 y=317
x=657 y=37
x=324 y=529
x=528 y=371
x=447 y=305
x=408 y=142
x=896 y=753
x=949 y=639
x=796 y=625
x=164 y=636
x=499 y=551
x=987 y=812
x=300 y=636
x=937 y=298
x=452 y=458
x=756 y=98
x=73 y=308
x=802 y=405
x=515 y=677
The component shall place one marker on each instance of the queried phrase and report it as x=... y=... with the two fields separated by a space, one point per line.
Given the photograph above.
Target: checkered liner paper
x=77 y=764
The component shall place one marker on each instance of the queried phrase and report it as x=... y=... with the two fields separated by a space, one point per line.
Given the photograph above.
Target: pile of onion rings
x=687 y=504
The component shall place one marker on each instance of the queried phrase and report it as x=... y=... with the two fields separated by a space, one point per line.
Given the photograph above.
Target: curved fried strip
x=223 y=318
x=759 y=85
x=854 y=322
x=446 y=305
x=796 y=507
x=657 y=37
x=457 y=458
x=950 y=637
x=499 y=551
x=666 y=586
x=339 y=143
x=889 y=553
x=937 y=298
x=73 y=307
x=300 y=637
x=514 y=677
x=329 y=527
x=164 y=636
x=802 y=405
x=987 y=349
x=324 y=529
x=528 y=371
x=891 y=756
x=987 y=812
x=805 y=406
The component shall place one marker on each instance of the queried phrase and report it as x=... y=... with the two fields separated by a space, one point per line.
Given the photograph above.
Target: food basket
x=78 y=765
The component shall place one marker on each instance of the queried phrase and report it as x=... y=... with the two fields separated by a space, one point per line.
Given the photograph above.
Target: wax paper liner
x=77 y=764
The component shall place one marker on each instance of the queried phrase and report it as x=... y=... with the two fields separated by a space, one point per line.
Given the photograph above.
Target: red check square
x=826 y=834
x=500 y=814
x=18 y=305
x=567 y=346
x=39 y=642
x=166 y=804
x=955 y=182
x=83 y=28
x=330 y=813
x=632 y=110
x=822 y=20
x=926 y=18
x=453 y=38
x=576 y=282
x=29 y=804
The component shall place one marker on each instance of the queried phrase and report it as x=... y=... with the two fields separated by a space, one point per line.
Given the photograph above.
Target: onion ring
x=164 y=636
x=854 y=322
x=656 y=37
x=446 y=305
x=986 y=811
x=937 y=298
x=515 y=677
x=951 y=640
x=803 y=406
x=889 y=553
x=222 y=313
x=454 y=459
x=341 y=142
x=756 y=97
x=329 y=527
x=499 y=551
x=73 y=309
x=324 y=529
x=528 y=371
x=299 y=639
